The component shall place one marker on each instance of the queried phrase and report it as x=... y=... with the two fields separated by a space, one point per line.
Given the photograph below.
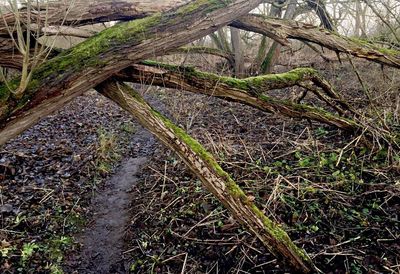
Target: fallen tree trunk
x=213 y=177
x=85 y=12
x=250 y=91
x=282 y=30
x=247 y=91
x=82 y=67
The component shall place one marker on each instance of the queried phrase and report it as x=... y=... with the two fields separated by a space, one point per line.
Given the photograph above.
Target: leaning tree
x=51 y=77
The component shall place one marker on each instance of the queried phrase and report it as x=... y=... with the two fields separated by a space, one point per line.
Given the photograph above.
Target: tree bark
x=213 y=177
x=82 y=67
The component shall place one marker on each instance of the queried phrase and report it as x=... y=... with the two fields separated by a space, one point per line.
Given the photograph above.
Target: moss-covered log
x=281 y=30
x=248 y=91
x=84 y=66
x=213 y=177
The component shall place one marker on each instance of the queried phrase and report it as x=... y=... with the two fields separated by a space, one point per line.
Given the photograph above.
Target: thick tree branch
x=247 y=91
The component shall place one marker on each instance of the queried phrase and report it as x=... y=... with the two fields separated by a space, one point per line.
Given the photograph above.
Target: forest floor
x=88 y=191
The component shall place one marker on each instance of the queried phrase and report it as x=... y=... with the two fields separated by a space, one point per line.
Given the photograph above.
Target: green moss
x=210 y=5
x=390 y=52
x=88 y=52
x=371 y=45
x=359 y=41
x=4 y=93
x=294 y=76
x=279 y=234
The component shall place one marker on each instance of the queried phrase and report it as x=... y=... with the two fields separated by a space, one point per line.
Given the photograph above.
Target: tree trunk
x=357 y=16
x=213 y=177
x=237 y=50
x=321 y=11
x=275 y=49
x=82 y=67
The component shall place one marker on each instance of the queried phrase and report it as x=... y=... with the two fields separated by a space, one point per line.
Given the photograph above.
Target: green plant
x=355 y=268
x=55 y=269
x=128 y=127
x=6 y=248
x=321 y=132
x=27 y=251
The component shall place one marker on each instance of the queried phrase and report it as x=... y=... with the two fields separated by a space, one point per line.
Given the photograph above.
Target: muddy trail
x=103 y=239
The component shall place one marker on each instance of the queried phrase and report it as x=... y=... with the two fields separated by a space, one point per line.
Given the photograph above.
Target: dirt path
x=103 y=240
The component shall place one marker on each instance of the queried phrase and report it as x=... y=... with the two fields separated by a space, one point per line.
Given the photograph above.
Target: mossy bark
x=247 y=91
x=213 y=177
x=82 y=67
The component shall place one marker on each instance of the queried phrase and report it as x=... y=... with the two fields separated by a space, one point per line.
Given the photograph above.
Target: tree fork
x=213 y=177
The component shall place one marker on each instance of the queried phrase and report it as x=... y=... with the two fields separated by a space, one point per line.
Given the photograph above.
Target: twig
x=184 y=264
